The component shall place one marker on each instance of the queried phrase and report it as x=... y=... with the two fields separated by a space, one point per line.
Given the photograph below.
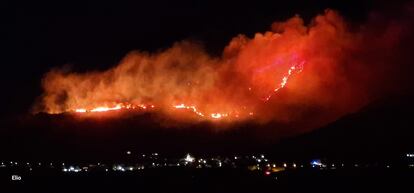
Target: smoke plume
x=296 y=73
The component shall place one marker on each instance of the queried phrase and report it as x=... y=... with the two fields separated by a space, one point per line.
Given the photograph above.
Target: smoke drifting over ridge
x=293 y=74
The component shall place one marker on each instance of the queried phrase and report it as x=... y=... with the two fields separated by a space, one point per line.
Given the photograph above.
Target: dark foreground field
x=214 y=180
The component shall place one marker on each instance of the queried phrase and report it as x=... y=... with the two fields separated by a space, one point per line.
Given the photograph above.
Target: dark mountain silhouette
x=382 y=129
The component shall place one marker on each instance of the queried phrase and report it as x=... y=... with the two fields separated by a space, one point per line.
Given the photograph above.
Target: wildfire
x=241 y=84
x=112 y=108
x=197 y=112
x=192 y=108
x=103 y=109
x=81 y=110
x=215 y=115
x=294 y=68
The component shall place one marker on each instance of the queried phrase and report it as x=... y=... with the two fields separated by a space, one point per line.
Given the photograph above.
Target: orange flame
x=257 y=77
x=113 y=108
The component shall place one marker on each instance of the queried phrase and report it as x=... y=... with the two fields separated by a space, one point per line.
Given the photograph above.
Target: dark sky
x=96 y=35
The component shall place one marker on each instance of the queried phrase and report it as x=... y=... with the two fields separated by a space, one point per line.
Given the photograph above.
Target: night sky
x=97 y=35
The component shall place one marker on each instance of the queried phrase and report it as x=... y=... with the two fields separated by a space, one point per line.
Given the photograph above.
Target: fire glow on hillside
x=277 y=75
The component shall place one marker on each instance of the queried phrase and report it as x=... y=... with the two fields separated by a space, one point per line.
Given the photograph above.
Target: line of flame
x=295 y=68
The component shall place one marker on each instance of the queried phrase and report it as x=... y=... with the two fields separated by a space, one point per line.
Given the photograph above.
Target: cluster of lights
x=317 y=163
x=122 y=168
x=191 y=161
x=253 y=162
x=72 y=169
x=189 y=158
x=118 y=168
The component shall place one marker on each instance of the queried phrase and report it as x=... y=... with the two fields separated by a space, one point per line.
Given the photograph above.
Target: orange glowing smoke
x=283 y=75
